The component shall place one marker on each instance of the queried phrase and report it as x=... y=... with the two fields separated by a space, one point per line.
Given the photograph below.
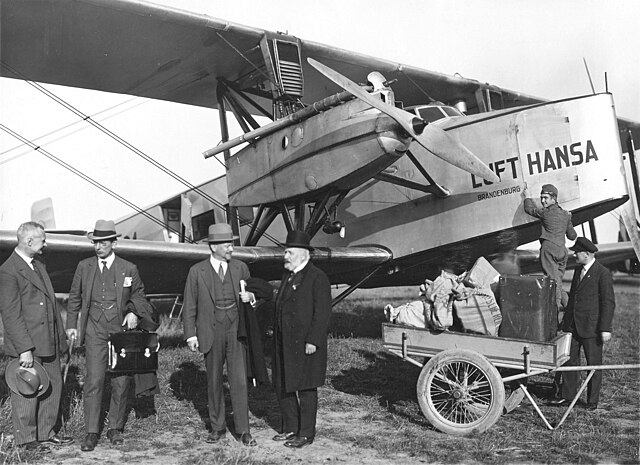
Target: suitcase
x=528 y=305
x=133 y=352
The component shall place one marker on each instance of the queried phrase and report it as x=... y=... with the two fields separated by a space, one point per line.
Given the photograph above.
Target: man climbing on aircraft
x=556 y=223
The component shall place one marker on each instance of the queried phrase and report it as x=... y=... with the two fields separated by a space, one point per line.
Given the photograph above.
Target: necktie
x=290 y=278
x=582 y=273
x=104 y=266
x=35 y=268
x=221 y=272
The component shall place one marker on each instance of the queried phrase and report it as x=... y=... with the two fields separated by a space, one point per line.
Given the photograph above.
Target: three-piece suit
x=98 y=302
x=212 y=311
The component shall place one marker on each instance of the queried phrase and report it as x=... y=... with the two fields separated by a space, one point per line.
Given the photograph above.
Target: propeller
x=432 y=138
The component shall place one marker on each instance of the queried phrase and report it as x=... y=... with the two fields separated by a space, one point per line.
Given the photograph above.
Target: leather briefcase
x=133 y=352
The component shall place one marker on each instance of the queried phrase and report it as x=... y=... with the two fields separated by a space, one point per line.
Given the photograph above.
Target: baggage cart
x=460 y=389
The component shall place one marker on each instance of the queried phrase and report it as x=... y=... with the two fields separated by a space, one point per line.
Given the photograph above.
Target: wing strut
x=340 y=297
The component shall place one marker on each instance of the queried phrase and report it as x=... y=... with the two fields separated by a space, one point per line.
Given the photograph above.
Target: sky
x=534 y=47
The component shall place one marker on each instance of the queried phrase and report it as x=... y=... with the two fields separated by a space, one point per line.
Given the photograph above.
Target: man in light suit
x=213 y=318
x=101 y=288
x=588 y=317
x=34 y=332
x=303 y=310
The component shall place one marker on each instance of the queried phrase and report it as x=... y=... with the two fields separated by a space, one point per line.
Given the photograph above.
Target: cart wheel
x=460 y=392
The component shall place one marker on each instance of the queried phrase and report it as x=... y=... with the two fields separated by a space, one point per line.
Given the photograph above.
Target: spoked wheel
x=460 y=391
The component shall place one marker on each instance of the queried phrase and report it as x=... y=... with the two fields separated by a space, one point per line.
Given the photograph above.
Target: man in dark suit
x=588 y=317
x=212 y=314
x=33 y=331
x=303 y=310
x=101 y=289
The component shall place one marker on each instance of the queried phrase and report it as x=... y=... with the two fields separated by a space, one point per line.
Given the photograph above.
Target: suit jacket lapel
x=29 y=274
x=119 y=273
x=88 y=278
x=206 y=270
x=47 y=282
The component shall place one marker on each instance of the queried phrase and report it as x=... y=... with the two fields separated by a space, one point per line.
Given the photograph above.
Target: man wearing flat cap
x=34 y=338
x=213 y=322
x=99 y=304
x=588 y=318
x=303 y=310
x=556 y=224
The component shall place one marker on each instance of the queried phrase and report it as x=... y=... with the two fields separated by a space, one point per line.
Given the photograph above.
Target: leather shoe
x=589 y=406
x=215 y=436
x=284 y=436
x=115 y=436
x=89 y=443
x=35 y=446
x=58 y=440
x=559 y=402
x=298 y=442
x=247 y=440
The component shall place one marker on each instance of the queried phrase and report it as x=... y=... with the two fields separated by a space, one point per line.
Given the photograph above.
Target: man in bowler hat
x=34 y=338
x=588 y=318
x=213 y=321
x=98 y=305
x=303 y=310
x=556 y=224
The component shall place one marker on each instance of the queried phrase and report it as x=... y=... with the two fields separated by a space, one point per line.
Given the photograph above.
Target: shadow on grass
x=347 y=324
x=387 y=379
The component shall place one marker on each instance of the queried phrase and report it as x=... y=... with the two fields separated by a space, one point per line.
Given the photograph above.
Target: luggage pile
x=459 y=302
x=467 y=303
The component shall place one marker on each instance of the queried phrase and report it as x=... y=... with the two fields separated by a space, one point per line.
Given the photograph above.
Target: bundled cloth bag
x=440 y=294
x=410 y=314
x=477 y=311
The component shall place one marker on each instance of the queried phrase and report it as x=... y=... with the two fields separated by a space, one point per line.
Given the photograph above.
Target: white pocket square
x=127 y=281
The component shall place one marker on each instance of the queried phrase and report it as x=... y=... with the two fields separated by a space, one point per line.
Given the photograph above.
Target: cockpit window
x=450 y=111
x=430 y=114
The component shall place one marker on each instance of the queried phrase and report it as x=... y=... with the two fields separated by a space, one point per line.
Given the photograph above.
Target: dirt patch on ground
x=178 y=447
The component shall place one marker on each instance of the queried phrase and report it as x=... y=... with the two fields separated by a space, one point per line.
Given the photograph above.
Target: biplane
x=393 y=170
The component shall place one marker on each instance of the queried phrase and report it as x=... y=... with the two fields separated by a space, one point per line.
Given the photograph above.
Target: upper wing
x=164 y=266
x=159 y=52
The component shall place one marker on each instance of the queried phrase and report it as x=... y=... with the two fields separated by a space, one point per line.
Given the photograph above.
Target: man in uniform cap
x=212 y=317
x=556 y=224
x=588 y=317
x=303 y=310
x=34 y=336
x=100 y=293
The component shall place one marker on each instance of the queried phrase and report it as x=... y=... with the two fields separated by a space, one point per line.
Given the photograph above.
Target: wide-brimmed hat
x=103 y=231
x=298 y=239
x=220 y=232
x=584 y=245
x=28 y=382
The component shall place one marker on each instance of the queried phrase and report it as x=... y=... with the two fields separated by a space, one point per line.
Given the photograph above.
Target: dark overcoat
x=303 y=311
x=591 y=302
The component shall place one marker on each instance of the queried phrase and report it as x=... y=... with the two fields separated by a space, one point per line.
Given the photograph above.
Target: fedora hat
x=28 y=382
x=583 y=244
x=103 y=231
x=298 y=239
x=220 y=232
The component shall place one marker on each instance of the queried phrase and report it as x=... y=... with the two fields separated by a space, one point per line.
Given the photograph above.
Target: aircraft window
x=450 y=111
x=430 y=114
x=201 y=225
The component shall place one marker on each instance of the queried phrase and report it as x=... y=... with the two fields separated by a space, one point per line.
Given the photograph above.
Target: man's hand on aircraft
x=309 y=349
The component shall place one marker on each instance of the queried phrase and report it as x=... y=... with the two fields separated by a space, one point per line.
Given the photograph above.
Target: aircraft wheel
x=460 y=391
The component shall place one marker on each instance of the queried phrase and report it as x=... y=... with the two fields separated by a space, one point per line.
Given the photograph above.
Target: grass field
x=368 y=408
